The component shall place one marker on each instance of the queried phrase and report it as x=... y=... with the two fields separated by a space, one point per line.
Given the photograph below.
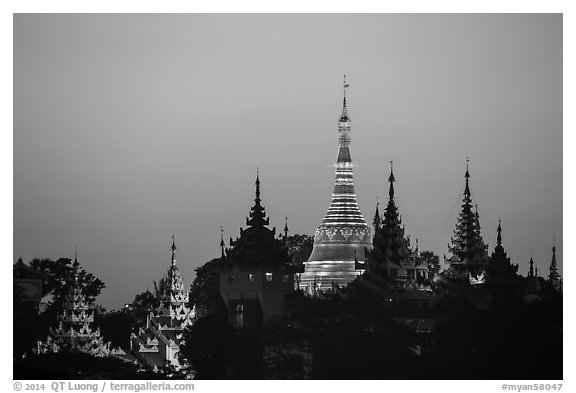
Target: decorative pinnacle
x=257 y=183
x=257 y=214
x=344 y=116
x=286 y=228
x=75 y=264
x=391 y=180
x=553 y=264
x=499 y=239
x=467 y=176
x=173 y=250
x=222 y=240
x=377 y=214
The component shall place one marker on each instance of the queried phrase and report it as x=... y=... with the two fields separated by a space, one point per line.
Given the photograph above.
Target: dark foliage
x=116 y=326
x=61 y=277
x=300 y=248
x=74 y=365
x=207 y=346
x=521 y=341
x=205 y=289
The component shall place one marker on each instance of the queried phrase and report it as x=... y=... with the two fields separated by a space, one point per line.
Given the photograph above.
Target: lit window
x=268 y=276
x=251 y=277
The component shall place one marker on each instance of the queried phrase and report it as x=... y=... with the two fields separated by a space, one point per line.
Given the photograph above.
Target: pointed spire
x=222 y=241
x=75 y=265
x=531 y=272
x=257 y=213
x=344 y=116
x=286 y=228
x=554 y=264
x=377 y=219
x=554 y=277
x=499 y=238
x=257 y=183
x=173 y=250
x=467 y=176
x=391 y=180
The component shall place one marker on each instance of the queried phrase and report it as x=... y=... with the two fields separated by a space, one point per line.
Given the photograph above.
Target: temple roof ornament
x=391 y=180
x=257 y=213
x=222 y=242
x=257 y=244
x=344 y=117
x=554 y=277
x=286 y=228
x=500 y=270
x=392 y=249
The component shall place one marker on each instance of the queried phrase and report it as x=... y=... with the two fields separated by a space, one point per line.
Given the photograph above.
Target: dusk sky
x=129 y=128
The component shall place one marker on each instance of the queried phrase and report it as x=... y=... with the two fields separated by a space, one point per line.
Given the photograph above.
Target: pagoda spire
x=257 y=213
x=531 y=271
x=343 y=229
x=554 y=276
x=467 y=176
x=173 y=248
x=344 y=116
x=554 y=264
x=391 y=215
x=222 y=241
x=391 y=246
x=286 y=228
x=469 y=252
x=377 y=219
x=75 y=265
x=391 y=180
x=500 y=270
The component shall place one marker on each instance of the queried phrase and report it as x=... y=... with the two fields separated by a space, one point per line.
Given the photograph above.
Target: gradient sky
x=128 y=128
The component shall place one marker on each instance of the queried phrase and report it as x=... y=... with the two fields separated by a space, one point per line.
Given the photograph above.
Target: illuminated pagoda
x=158 y=342
x=76 y=330
x=554 y=277
x=256 y=271
x=392 y=255
x=343 y=234
x=469 y=252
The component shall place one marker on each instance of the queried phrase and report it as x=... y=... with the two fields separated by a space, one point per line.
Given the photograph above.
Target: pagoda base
x=325 y=275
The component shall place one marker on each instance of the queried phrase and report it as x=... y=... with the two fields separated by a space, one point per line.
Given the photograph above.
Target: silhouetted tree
x=116 y=326
x=205 y=289
x=300 y=248
x=432 y=261
x=207 y=346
